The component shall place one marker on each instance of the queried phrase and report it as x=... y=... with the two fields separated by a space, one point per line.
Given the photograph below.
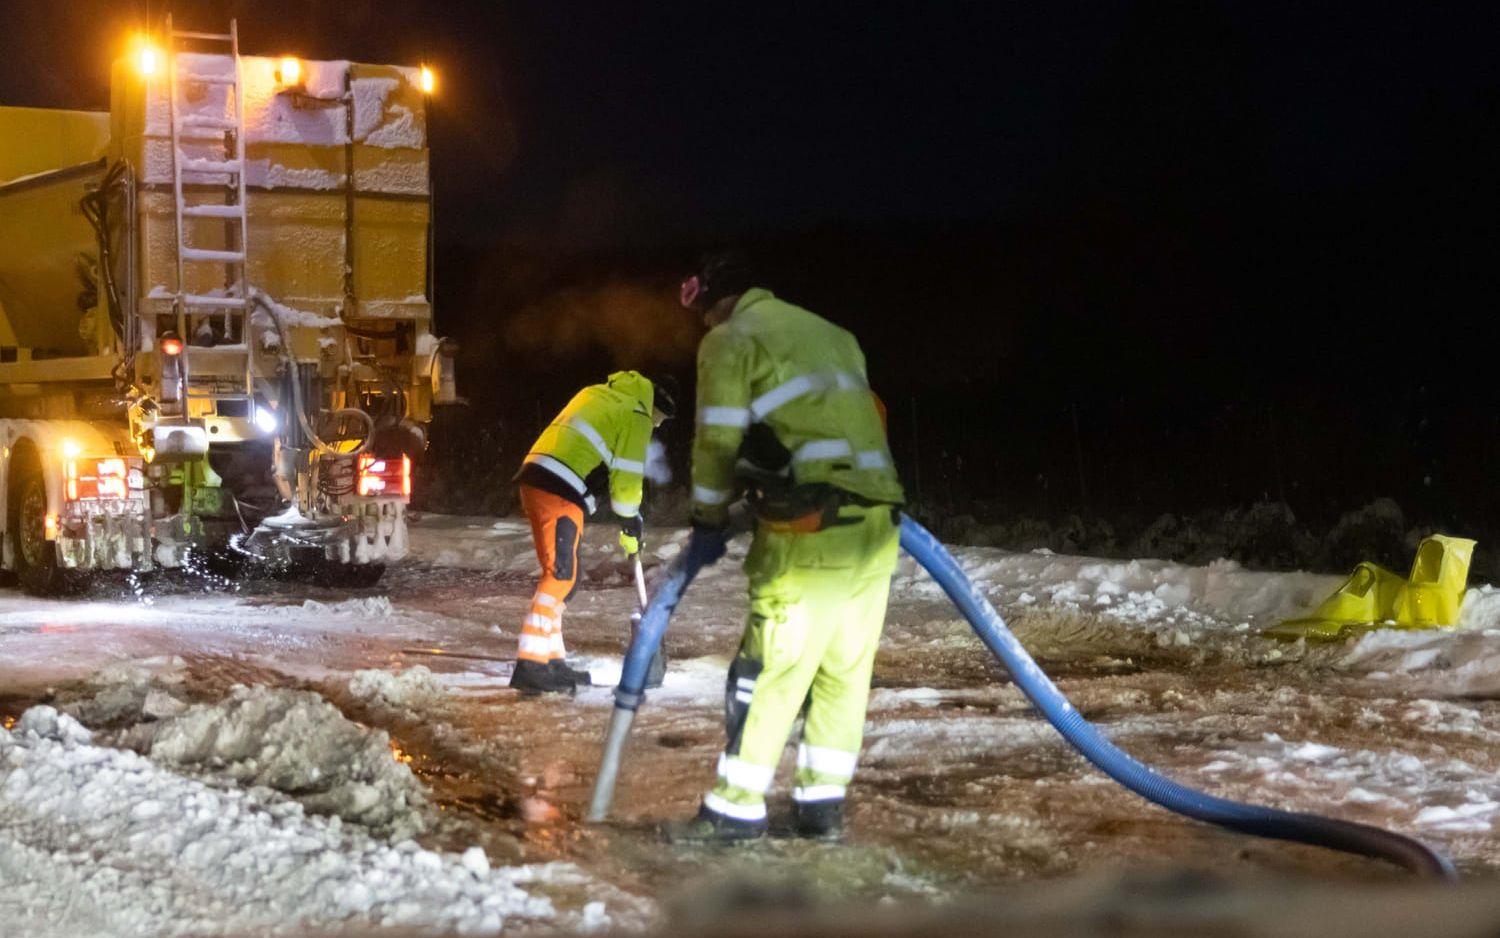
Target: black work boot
x=711 y=827
x=533 y=677
x=819 y=820
x=579 y=678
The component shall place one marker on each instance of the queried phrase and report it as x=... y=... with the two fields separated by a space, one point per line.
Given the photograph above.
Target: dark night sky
x=1205 y=224
x=600 y=123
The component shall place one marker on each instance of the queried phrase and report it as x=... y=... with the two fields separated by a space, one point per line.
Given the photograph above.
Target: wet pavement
x=961 y=785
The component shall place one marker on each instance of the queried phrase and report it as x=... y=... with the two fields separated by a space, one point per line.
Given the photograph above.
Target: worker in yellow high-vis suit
x=598 y=443
x=786 y=416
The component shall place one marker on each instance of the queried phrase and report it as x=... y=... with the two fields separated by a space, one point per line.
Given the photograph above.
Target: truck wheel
x=350 y=575
x=36 y=557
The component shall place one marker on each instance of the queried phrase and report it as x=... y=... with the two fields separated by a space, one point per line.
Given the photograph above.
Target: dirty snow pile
x=1181 y=600
x=414 y=687
x=1451 y=662
x=103 y=841
x=1220 y=607
x=294 y=742
x=1178 y=600
x=364 y=608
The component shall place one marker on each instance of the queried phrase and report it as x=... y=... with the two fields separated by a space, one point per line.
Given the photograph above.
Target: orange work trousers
x=556 y=525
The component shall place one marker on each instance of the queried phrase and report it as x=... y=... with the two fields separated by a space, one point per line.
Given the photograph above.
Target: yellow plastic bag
x=1434 y=593
x=1364 y=598
x=1374 y=598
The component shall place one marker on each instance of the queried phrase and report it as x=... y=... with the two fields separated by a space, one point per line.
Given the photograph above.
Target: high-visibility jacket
x=602 y=434
x=794 y=384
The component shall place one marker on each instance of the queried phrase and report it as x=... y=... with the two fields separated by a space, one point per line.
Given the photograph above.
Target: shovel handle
x=640 y=581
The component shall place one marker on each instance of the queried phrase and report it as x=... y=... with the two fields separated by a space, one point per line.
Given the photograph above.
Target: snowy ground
x=213 y=763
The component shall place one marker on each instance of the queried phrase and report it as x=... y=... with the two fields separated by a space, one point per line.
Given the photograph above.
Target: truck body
x=216 y=316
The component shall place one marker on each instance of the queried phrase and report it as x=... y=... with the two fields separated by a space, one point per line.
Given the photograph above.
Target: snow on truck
x=216 y=316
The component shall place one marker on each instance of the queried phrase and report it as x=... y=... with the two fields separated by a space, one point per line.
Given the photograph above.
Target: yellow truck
x=216 y=316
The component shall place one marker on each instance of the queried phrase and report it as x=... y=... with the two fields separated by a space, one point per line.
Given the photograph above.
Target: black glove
x=707 y=544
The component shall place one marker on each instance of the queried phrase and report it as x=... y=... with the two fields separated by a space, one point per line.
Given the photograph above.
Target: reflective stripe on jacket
x=604 y=427
x=802 y=378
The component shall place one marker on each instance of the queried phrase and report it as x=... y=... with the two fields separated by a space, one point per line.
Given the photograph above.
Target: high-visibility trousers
x=556 y=525
x=817 y=608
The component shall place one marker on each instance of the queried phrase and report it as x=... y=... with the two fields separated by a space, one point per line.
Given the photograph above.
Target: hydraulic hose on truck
x=1313 y=829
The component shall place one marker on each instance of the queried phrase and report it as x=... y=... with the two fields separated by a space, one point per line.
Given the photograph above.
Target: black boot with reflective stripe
x=711 y=827
x=819 y=820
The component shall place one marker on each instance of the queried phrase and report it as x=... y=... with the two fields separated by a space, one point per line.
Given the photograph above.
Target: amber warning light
x=96 y=479
x=147 y=57
x=171 y=344
x=385 y=476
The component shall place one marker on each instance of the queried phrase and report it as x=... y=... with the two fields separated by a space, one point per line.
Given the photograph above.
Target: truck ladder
x=216 y=318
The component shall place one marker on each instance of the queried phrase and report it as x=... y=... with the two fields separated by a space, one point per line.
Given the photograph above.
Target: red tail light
x=96 y=479
x=385 y=476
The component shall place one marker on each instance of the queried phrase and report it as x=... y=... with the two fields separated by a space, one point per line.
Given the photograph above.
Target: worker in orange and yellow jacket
x=595 y=448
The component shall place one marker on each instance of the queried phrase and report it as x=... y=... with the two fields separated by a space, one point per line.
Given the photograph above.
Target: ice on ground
x=1312 y=776
x=1078 y=602
x=293 y=742
x=366 y=607
x=102 y=841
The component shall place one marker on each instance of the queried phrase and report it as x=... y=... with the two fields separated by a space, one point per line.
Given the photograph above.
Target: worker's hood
x=636 y=386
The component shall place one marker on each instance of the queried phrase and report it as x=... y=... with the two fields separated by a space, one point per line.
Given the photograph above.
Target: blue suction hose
x=632 y=687
x=1349 y=837
x=1109 y=759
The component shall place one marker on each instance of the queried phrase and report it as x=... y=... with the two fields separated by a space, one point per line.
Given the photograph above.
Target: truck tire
x=36 y=557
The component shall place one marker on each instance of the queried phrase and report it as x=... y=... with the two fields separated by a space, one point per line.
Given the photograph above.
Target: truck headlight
x=266 y=420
